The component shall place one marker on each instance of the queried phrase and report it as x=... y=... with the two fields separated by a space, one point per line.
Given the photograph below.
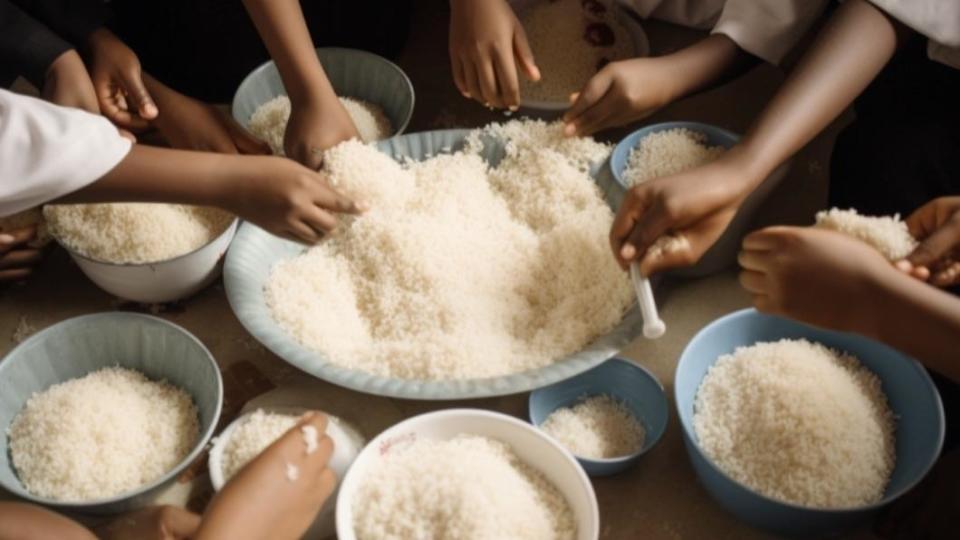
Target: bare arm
x=20 y=521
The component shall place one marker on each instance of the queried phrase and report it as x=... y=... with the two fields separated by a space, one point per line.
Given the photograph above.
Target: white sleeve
x=768 y=29
x=47 y=151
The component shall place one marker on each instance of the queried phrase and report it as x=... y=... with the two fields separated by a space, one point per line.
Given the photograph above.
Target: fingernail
x=570 y=130
x=465 y=94
x=514 y=108
x=6 y=239
x=150 y=110
x=628 y=251
x=903 y=265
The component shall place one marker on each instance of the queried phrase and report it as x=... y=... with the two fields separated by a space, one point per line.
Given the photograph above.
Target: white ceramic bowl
x=532 y=446
x=347 y=443
x=162 y=281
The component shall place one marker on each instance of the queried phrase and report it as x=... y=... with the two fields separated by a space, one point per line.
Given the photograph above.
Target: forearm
x=851 y=50
x=151 y=174
x=20 y=521
x=918 y=319
x=284 y=32
x=706 y=64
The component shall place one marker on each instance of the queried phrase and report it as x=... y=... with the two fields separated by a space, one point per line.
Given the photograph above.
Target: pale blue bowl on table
x=723 y=254
x=352 y=73
x=81 y=345
x=910 y=392
x=638 y=389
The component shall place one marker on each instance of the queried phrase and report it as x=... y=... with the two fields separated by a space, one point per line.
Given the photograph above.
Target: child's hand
x=17 y=259
x=620 y=93
x=285 y=198
x=118 y=81
x=264 y=500
x=192 y=125
x=697 y=204
x=487 y=45
x=68 y=84
x=315 y=126
x=937 y=258
x=152 y=523
x=816 y=276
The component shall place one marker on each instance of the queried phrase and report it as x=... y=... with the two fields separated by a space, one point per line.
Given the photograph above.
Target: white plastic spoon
x=653 y=326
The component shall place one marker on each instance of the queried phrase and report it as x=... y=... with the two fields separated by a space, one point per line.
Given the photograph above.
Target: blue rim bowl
x=638 y=389
x=910 y=392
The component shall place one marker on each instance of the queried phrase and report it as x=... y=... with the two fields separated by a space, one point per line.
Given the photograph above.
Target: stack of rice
x=599 y=427
x=269 y=121
x=797 y=422
x=888 y=234
x=135 y=233
x=468 y=487
x=668 y=152
x=571 y=40
x=459 y=270
x=101 y=435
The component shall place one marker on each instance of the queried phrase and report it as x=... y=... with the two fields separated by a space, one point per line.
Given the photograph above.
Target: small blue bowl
x=910 y=393
x=81 y=345
x=636 y=387
x=352 y=73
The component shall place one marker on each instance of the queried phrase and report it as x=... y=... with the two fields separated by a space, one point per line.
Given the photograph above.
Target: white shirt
x=767 y=29
x=47 y=151
x=938 y=20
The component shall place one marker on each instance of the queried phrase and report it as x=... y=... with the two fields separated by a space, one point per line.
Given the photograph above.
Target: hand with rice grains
x=314 y=126
x=273 y=503
x=696 y=204
x=118 y=81
x=17 y=257
x=488 y=47
x=937 y=259
x=828 y=279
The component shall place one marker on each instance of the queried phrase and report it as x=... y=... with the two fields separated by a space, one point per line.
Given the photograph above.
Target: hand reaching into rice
x=278 y=494
x=937 y=258
x=315 y=126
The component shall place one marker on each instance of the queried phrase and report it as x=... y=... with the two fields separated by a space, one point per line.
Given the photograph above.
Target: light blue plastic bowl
x=724 y=252
x=910 y=393
x=353 y=73
x=630 y=383
x=78 y=346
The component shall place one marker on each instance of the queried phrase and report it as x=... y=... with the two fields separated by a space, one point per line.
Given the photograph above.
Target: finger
x=936 y=245
x=753 y=260
x=13 y=238
x=596 y=118
x=473 y=85
x=136 y=91
x=456 y=67
x=596 y=88
x=507 y=80
x=632 y=207
x=768 y=239
x=923 y=220
x=524 y=55
x=753 y=282
x=653 y=224
x=18 y=274
x=320 y=220
x=179 y=523
x=304 y=233
x=666 y=260
x=948 y=276
x=763 y=303
x=487 y=78
x=114 y=107
x=21 y=258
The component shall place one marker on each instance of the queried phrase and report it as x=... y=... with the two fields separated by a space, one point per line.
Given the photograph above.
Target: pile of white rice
x=101 y=435
x=599 y=427
x=468 y=487
x=269 y=121
x=668 y=152
x=459 y=270
x=797 y=422
x=888 y=234
x=135 y=233
x=556 y=32
x=258 y=431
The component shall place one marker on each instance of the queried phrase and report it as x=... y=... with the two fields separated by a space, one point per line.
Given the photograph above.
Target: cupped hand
x=315 y=126
x=17 y=258
x=620 y=93
x=68 y=84
x=118 y=80
x=820 y=277
x=937 y=258
x=488 y=48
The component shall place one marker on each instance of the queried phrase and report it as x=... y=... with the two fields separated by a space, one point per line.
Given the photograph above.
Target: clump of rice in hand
x=135 y=233
x=668 y=152
x=258 y=431
x=468 y=487
x=27 y=218
x=888 y=234
x=599 y=427
x=101 y=435
x=459 y=270
x=797 y=422
x=571 y=40
x=269 y=121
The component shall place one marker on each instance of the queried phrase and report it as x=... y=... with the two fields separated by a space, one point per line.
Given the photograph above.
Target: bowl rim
x=202 y=438
x=618 y=459
x=398 y=130
x=691 y=436
x=350 y=479
x=230 y=230
x=627 y=144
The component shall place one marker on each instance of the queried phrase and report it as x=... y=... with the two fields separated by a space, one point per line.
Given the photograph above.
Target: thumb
x=936 y=246
x=137 y=93
x=521 y=50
